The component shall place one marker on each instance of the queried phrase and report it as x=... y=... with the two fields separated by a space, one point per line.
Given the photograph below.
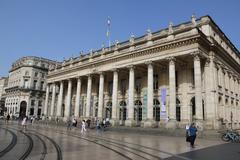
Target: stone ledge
x=212 y=134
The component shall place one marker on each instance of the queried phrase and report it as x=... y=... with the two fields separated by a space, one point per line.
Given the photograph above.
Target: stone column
x=100 y=96
x=211 y=99
x=89 y=93
x=185 y=106
x=198 y=88
x=69 y=98
x=46 y=101
x=149 y=121
x=60 y=99
x=130 y=107
x=53 y=99
x=78 y=94
x=223 y=91
x=235 y=100
x=115 y=96
x=172 y=94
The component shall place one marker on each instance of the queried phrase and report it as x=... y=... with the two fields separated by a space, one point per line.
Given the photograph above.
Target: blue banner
x=163 y=113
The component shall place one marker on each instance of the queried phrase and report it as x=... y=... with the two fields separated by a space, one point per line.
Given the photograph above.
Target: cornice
x=145 y=51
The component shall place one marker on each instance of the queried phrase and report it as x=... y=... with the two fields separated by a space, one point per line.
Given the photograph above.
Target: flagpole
x=108 y=31
x=109 y=41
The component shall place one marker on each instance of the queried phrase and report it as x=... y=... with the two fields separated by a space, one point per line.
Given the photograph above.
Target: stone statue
x=170 y=28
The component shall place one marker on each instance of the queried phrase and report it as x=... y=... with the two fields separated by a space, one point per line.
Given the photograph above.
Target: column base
x=114 y=122
x=129 y=123
x=149 y=124
x=199 y=124
x=171 y=124
x=65 y=119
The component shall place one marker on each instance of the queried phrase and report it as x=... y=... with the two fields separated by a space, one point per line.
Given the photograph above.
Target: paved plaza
x=42 y=141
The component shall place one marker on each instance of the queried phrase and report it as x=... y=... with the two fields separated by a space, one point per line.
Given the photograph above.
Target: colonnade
x=131 y=93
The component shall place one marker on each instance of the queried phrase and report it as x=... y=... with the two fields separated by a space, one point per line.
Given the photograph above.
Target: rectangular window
x=123 y=86
x=110 y=87
x=176 y=78
x=25 y=85
x=41 y=85
x=36 y=74
x=138 y=85
x=155 y=81
x=193 y=79
x=35 y=84
x=39 y=103
x=32 y=102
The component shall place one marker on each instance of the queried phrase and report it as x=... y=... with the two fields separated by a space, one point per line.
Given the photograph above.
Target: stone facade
x=3 y=85
x=25 y=93
x=169 y=78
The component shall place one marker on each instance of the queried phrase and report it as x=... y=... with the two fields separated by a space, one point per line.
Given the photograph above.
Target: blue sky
x=62 y=28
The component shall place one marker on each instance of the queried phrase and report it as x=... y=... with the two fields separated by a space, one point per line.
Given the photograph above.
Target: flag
x=108 y=26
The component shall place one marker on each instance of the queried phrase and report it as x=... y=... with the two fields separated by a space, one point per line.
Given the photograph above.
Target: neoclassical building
x=25 y=91
x=169 y=78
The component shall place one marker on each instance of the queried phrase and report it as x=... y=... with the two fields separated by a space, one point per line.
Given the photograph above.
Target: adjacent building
x=25 y=92
x=169 y=78
x=3 y=85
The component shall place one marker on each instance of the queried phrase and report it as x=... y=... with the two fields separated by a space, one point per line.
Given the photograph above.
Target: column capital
x=229 y=74
x=196 y=55
x=115 y=70
x=131 y=67
x=89 y=75
x=171 y=60
x=101 y=73
x=207 y=62
x=148 y=62
x=78 y=77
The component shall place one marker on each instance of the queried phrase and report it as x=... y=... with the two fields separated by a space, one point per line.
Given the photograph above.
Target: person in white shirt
x=83 y=127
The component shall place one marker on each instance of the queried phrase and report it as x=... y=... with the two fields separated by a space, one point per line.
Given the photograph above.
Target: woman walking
x=24 y=122
x=83 y=127
x=192 y=134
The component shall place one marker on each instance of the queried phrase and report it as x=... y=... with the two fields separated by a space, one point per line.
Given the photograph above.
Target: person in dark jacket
x=192 y=134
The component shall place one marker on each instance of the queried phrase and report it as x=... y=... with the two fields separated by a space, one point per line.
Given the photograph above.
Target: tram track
x=44 y=152
x=12 y=143
x=125 y=149
x=124 y=146
x=30 y=147
x=94 y=141
x=140 y=146
x=57 y=147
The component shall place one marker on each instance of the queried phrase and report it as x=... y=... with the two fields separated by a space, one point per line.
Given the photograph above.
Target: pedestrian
x=69 y=124
x=74 y=122
x=98 y=127
x=8 y=117
x=88 y=123
x=83 y=127
x=187 y=133
x=192 y=133
x=31 y=119
x=103 y=124
x=24 y=123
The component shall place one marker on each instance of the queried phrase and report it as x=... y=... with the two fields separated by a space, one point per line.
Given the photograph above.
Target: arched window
x=156 y=109
x=193 y=107
x=123 y=111
x=108 y=111
x=138 y=111
x=220 y=100
x=178 y=110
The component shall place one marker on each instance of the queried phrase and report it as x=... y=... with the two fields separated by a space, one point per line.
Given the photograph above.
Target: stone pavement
x=118 y=145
